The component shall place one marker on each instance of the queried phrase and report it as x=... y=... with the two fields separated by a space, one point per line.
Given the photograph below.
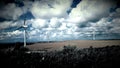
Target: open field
x=79 y=43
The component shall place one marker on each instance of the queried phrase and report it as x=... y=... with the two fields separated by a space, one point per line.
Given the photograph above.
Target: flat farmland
x=78 y=43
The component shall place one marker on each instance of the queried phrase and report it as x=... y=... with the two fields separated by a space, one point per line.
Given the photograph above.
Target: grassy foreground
x=69 y=57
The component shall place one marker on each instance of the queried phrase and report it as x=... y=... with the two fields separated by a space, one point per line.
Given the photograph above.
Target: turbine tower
x=47 y=36
x=94 y=35
x=24 y=26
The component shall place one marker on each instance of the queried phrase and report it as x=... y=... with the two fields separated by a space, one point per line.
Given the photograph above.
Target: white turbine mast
x=47 y=36
x=94 y=34
x=24 y=26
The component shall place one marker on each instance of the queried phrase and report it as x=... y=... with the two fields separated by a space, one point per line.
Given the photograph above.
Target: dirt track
x=78 y=43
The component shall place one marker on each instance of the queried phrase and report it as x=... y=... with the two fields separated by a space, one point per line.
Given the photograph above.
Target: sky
x=59 y=20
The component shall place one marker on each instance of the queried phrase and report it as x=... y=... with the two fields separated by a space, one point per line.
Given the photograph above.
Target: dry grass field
x=78 y=43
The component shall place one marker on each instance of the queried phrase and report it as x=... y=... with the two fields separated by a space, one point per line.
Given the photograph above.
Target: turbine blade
x=19 y=28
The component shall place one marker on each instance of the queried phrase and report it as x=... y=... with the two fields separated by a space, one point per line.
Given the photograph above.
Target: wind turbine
x=24 y=26
x=93 y=34
x=94 y=31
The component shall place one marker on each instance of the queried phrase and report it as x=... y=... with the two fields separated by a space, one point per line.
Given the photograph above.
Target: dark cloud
x=10 y=11
x=28 y=15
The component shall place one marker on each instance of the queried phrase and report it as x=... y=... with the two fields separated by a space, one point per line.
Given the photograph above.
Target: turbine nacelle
x=24 y=26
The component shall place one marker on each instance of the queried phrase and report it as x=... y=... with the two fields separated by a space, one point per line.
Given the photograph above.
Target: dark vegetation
x=9 y=45
x=69 y=57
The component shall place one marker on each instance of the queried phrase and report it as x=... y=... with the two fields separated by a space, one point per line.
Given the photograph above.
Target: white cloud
x=33 y=32
x=13 y=34
x=54 y=35
x=115 y=30
x=63 y=27
x=107 y=26
x=5 y=24
x=10 y=11
x=16 y=32
x=54 y=22
x=77 y=19
x=116 y=22
x=50 y=8
x=8 y=24
x=102 y=22
x=88 y=10
x=69 y=31
x=39 y=23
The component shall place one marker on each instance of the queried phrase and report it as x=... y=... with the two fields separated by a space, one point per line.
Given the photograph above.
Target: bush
x=69 y=49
